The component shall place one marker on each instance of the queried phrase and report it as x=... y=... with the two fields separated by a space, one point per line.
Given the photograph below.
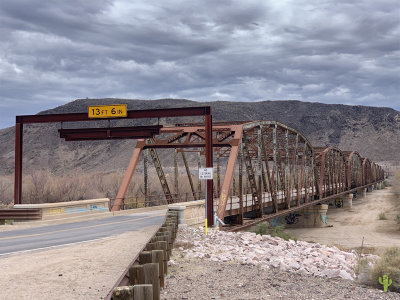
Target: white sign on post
x=206 y=173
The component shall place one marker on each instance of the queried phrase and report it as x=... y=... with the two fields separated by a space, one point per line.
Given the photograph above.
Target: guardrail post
x=136 y=275
x=165 y=239
x=158 y=257
x=123 y=293
x=163 y=246
x=143 y=292
x=151 y=276
x=145 y=257
x=166 y=236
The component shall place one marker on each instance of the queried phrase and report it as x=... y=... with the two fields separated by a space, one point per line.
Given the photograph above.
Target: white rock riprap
x=267 y=252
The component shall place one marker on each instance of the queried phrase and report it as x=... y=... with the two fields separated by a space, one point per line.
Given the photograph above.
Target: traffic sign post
x=206 y=174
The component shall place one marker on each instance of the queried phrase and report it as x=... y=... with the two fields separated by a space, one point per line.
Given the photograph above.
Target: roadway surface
x=44 y=237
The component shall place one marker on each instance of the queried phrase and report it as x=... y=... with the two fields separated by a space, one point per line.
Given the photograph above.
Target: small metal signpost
x=206 y=174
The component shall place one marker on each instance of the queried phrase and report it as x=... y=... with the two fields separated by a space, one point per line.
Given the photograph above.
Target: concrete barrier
x=190 y=213
x=67 y=209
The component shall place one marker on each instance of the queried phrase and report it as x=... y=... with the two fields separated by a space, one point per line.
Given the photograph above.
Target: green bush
x=275 y=231
x=386 y=183
x=398 y=219
x=382 y=216
x=388 y=264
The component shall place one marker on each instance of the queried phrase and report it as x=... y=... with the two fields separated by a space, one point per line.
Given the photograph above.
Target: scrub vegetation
x=273 y=230
x=388 y=264
x=44 y=187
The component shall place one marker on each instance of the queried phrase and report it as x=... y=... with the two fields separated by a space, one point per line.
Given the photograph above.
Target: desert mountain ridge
x=372 y=131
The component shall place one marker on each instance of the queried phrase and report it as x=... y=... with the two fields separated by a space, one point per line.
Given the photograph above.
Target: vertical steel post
x=146 y=176
x=218 y=175
x=241 y=183
x=198 y=180
x=287 y=170
x=259 y=178
x=209 y=164
x=275 y=167
x=312 y=175
x=19 y=130
x=296 y=172
x=176 y=174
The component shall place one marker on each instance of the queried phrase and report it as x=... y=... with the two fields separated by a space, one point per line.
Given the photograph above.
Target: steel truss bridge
x=271 y=169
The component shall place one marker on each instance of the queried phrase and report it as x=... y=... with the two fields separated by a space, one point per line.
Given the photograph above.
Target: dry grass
x=396 y=183
x=6 y=191
x=44 y=187
x=382 y=216
x=389 y=264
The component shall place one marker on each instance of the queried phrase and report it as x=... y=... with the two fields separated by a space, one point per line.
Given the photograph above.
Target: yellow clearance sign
x=108 y=111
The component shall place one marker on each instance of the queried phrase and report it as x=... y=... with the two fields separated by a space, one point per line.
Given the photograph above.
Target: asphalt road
x=15 y=241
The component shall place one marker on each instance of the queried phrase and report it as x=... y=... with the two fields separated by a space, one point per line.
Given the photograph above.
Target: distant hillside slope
x=373 y=131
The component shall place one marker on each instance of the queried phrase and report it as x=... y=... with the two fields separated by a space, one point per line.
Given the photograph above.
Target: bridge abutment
x=348 y=201
x=342 y=202
x=362 y=193
x=313 y=216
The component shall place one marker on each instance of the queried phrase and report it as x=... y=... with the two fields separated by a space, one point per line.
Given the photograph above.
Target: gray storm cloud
x=52 y=52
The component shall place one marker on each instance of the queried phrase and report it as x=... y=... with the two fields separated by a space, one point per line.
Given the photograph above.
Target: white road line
x=55 y=246
x=77 y=228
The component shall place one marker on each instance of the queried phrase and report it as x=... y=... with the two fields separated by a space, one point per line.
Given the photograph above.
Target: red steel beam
x=75 y=117
x=19 y=131
x=119 y=200
x=132 y=114
x=109 y=133
x=226 y=186
x=209 y=164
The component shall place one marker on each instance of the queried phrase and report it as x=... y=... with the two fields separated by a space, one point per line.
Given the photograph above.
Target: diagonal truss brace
x=161 y=175
x=230 y=169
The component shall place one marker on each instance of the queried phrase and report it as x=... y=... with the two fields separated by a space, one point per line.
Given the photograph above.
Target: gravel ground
x=80 y=271
x=193 y=278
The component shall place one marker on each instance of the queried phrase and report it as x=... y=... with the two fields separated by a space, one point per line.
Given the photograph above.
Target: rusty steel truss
x=264 y=168
x=270 y=168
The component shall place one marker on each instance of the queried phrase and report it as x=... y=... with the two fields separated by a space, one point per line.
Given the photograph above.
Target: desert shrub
x=6 y=186
x=43 y=187
x=388 y=264
x=398 y=219
x=382 y=216
x=396 y=183
x=275 y=231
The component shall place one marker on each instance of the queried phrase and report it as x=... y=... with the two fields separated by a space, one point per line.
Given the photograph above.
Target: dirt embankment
x=227 y=278
x=350 y=226
x=202 y=279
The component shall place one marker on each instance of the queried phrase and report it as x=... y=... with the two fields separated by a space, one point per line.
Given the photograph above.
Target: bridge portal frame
x=87 y=134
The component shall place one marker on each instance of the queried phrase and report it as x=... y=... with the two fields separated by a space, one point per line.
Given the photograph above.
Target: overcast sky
x=53 y=51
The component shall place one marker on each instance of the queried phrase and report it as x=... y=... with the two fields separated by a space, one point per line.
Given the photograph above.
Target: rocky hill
x=373 y=131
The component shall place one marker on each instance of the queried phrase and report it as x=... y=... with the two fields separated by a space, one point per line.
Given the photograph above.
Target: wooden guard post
x=147 y=275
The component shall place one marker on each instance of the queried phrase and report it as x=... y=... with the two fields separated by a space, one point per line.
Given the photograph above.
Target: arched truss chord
x=276 y=164
x=330 y=171
x=367 y=171
x=270 y=167
x=354 y=170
